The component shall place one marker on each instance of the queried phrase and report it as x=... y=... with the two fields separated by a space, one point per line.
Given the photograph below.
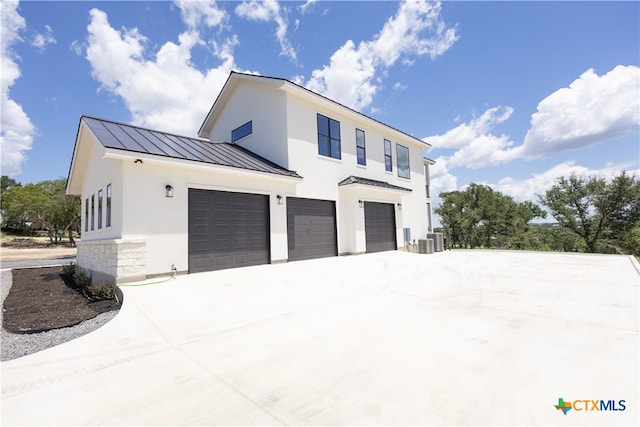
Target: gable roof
x=288 y=86
x=134 y=139
x=355 y=180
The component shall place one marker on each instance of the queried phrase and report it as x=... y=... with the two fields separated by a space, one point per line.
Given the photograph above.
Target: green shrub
x=69 y=270
x=101 y=291
x=81 y=278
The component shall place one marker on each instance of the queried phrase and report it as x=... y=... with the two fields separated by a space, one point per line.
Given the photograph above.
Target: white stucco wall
x=265 y=107
x=163 y=222
x=322 y=174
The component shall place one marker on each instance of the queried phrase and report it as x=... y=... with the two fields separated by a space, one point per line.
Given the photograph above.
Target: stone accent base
x=114 y=260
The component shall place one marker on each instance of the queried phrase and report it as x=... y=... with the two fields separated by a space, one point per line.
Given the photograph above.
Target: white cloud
x=309 y=4
x=538 y=183
x=440 y=178
x=268 y=10
x=16 y=136
x=592 y=109
x=42 y=40
x=351 y=77
x=477 y=146
x=199 y=12
x=167 y=91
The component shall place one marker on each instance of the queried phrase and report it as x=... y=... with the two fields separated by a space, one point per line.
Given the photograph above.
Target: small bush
x=69 y=270
x=101 y=291
x=81 y=278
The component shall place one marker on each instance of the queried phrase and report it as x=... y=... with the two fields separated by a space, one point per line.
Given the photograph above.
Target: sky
x=509 y=94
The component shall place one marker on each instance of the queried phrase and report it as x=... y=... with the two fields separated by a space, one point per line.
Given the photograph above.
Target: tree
x=602 y=213
x=43 y=206
x=480 y=216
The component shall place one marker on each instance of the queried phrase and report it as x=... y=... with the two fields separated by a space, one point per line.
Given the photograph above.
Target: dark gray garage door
x=380 y=226
x=227 y=230
x=311 y=228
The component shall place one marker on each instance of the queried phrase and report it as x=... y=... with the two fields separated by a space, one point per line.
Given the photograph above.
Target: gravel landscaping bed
x=17 y=345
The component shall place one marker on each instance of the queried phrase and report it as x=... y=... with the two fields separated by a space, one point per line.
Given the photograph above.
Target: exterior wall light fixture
x=279 y=197
x=168 y=190
x=361 y=203
x=399 y=206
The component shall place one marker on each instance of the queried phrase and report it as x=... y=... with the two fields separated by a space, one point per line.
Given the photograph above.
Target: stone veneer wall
x=115 y=260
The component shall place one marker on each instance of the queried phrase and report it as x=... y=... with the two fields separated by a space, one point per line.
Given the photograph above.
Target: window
x=86 y=214
x=108 y=205
x=93 y=205
x=388 y=165
x=402 y=156
x=99 y=209
x=360 y=149
x=328 y=137
x=244 y=130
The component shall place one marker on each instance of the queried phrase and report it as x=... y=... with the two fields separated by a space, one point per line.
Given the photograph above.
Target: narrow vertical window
x=388 y=164
x=108 y=205
x=99 y=209
x=402 y=157
x=93 y=206
x=328 y=137
x=86 y=214
x=360 y=147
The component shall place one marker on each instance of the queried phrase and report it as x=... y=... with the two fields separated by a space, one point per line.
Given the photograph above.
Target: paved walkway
x=461 y=337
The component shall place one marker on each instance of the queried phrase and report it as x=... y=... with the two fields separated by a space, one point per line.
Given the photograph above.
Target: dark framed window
x=99 y=209
x=86 y=214
x=328 y=137
x=244 y=130
x=93 y=205
x=388 y=164
x=361 y=152
x=108 y=222
x=402 y=157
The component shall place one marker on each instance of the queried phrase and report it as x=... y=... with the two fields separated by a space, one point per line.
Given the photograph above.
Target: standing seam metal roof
x=135 y=139
x=371 y=182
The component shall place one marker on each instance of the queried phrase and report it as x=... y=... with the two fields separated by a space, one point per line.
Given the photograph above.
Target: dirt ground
x=40 y=300
x=31 y=248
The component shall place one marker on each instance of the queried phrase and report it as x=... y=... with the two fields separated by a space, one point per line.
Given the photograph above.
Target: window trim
x=241 y=131
x=330 y=138
x=108 y=207
x=100 y=209
x=398 y=147
x=363 y=148
x=388 y=166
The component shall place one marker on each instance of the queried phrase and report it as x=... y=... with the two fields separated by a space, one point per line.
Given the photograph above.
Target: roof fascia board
x=84 y=133
x=114 y=153
x=361 y=186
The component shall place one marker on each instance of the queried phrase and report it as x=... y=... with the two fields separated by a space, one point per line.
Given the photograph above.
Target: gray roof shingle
x=135 y=139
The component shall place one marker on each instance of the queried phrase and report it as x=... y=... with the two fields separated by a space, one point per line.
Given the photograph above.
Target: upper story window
x=244 y=130
x=360 y=147
x=86 y=214
x=402 y=156
x=109 y=205
x=328 y=137
x=388 y=164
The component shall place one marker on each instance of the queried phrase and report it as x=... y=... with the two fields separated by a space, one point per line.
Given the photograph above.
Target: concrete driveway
x=461 y=337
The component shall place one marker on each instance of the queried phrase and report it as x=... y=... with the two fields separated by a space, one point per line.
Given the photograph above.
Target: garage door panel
x=311 y=228
x=227 y=230
x=380 y=227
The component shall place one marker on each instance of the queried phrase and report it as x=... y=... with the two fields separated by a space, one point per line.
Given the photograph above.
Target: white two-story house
x=279 y=173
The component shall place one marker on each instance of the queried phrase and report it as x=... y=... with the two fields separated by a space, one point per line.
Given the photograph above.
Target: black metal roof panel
x=135 y=139
x=371 y=182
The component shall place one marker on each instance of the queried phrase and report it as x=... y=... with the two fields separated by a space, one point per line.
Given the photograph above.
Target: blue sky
x=510 y=94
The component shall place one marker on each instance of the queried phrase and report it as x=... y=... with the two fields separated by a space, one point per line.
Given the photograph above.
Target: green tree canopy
x=602 y=213
x=44 y=205
x=480 y=216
